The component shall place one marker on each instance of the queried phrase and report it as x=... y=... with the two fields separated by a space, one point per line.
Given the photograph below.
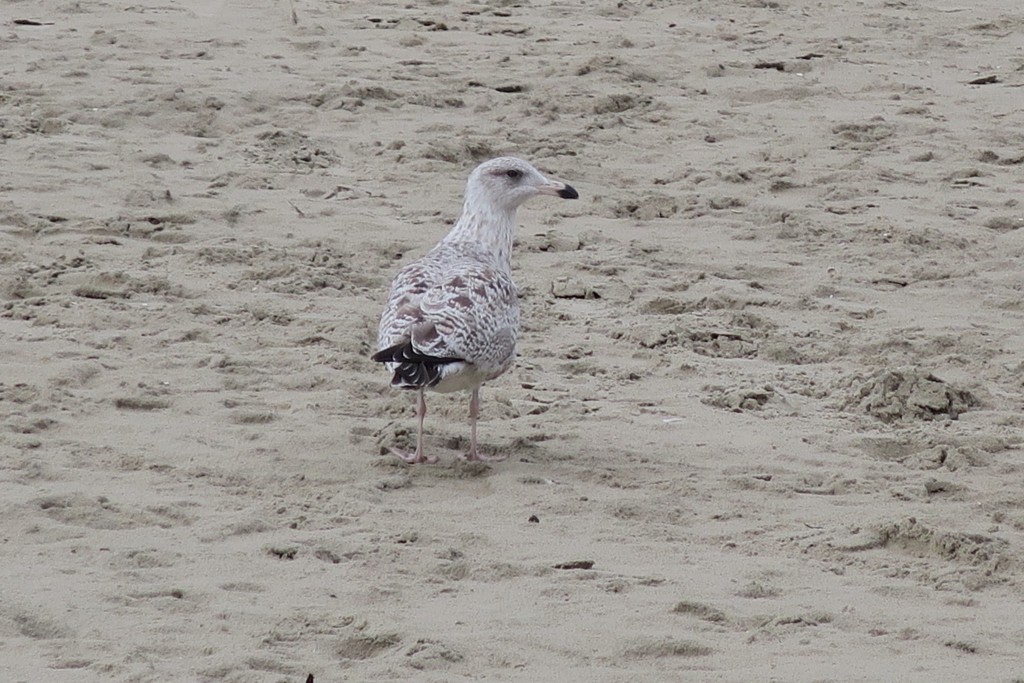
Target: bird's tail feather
x=414 y=370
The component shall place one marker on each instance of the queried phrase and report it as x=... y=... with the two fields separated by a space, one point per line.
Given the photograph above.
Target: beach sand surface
x=766 y=420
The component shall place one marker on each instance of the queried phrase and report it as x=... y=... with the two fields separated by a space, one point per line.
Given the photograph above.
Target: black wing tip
x=416 y=376
x=404 y=353
x=399 y=353
x=414 y=370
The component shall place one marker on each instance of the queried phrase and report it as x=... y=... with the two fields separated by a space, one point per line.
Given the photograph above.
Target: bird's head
x=507 y=182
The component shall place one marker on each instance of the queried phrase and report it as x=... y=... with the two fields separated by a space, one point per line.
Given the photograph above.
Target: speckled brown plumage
x=452 y=316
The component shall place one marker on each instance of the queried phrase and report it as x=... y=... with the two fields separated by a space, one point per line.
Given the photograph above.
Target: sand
x=766 y=423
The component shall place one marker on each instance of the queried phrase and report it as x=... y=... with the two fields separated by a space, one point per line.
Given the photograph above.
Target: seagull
x=452 y=316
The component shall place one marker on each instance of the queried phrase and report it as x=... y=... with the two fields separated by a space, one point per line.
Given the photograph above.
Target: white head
x=507 y=182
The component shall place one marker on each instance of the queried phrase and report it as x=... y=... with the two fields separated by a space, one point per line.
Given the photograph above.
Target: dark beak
x=557 y=189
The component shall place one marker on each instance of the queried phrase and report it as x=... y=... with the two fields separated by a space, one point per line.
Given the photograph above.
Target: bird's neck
x=492 y=231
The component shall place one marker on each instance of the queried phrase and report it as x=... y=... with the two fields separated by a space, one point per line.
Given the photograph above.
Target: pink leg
x=474 y=452
x=418 y=456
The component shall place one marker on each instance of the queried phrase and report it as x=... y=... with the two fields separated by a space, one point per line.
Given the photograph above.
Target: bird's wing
x=402 y=312
x=473 y=315
x=459 y=309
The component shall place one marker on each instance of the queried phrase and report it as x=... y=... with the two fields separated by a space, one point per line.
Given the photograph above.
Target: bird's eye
x=512 y=173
